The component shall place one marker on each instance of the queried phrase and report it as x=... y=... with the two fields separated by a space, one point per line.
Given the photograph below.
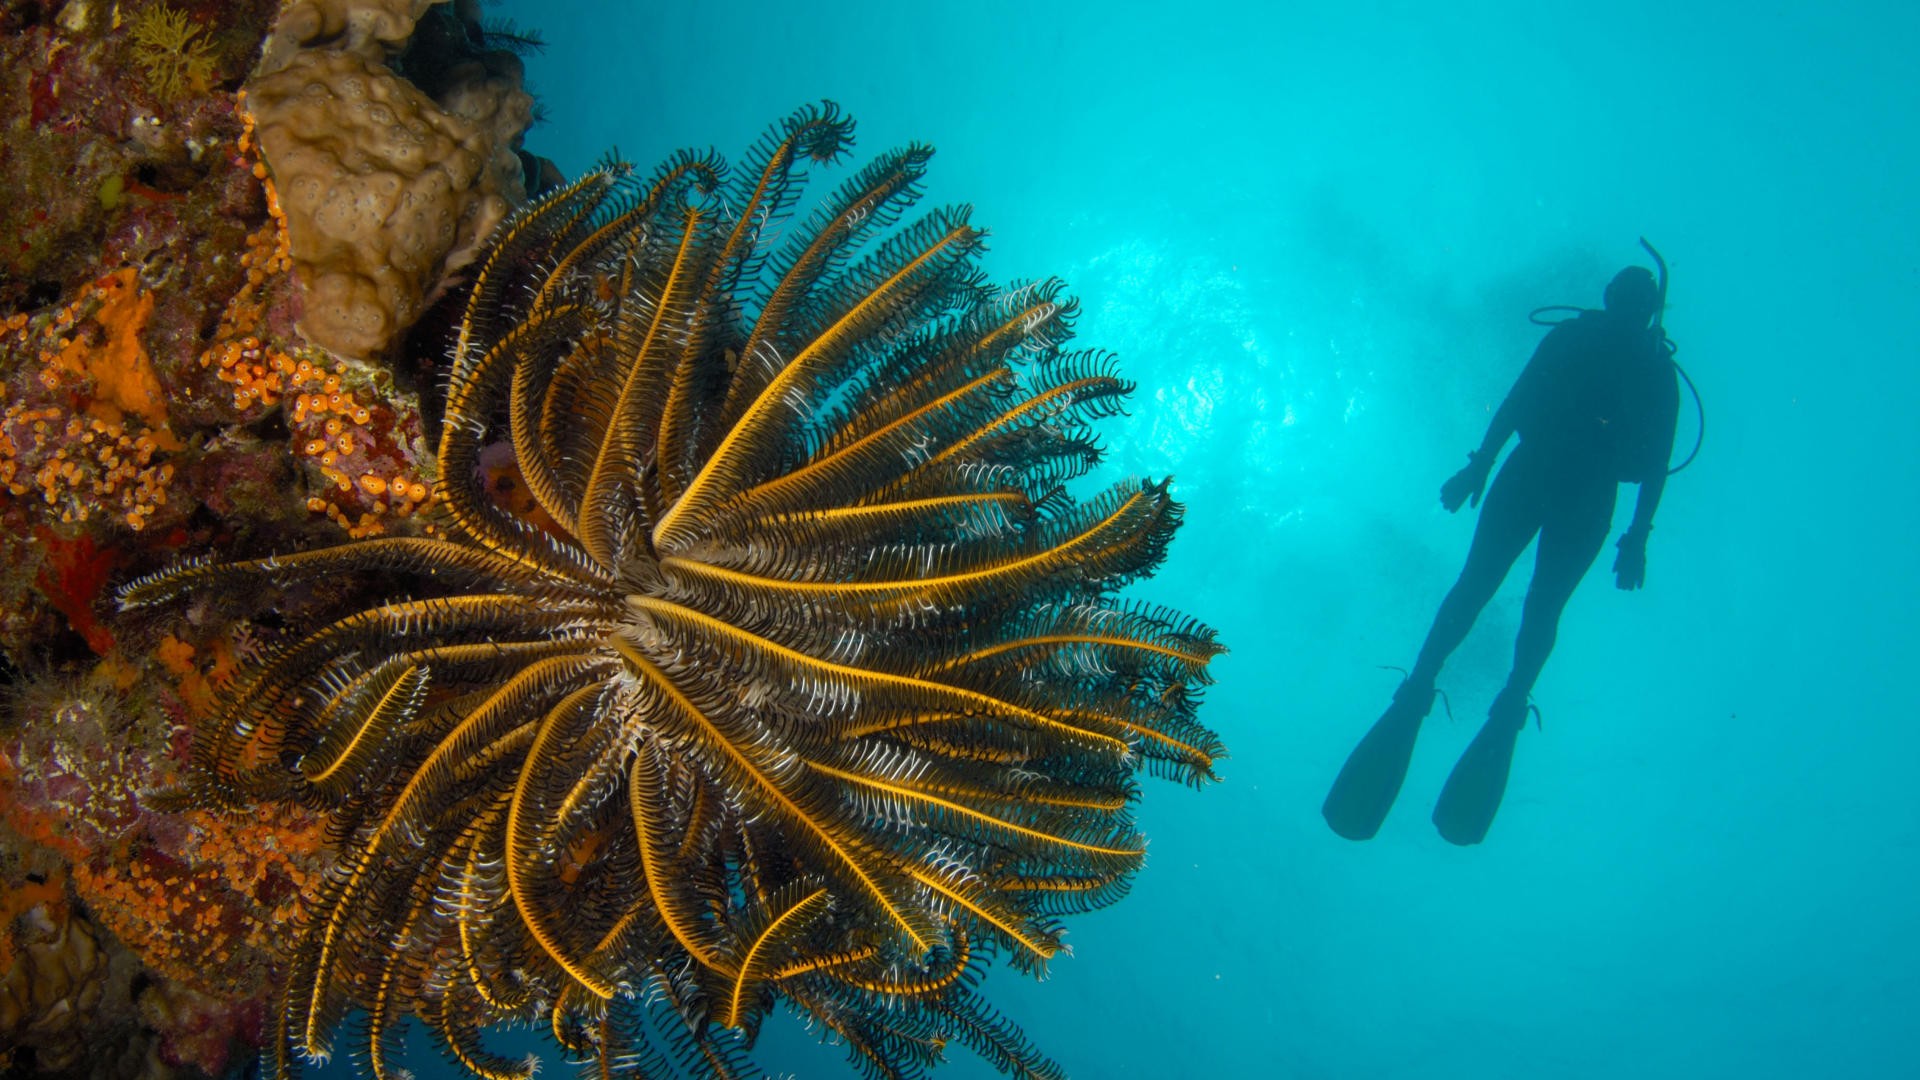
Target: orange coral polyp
x=90 y=459
x=118 y=367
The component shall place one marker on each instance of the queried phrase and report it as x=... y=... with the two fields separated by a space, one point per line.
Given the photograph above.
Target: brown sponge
x=385 y=190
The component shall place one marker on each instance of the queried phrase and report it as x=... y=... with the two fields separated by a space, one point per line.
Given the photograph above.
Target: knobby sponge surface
x=385 y=191
x=357 y=25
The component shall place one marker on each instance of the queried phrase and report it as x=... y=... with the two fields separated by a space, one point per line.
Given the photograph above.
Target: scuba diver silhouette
x=1596 y=407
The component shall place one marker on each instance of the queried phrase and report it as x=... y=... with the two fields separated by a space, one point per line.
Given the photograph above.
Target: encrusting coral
x=808 y=683
x=195 y=897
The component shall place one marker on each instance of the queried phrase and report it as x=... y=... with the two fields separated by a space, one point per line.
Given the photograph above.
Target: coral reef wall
x=219 y=220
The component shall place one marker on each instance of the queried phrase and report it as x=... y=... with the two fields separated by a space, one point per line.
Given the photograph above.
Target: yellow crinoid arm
x=844 y=855
x=1130 y=855
x=1192 y=658
x=622 y=229
x=1110 y=543
x=398 y=698
x=658 y=861
x=754 y=966
x=817 y=480
x=721 y=475
x=988 y=908
x=953 y=699
x=616 y=462
x=519 y=834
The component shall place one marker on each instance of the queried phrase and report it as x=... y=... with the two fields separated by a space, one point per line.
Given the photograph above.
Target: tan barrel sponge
x=385 y=190
x=372 y=28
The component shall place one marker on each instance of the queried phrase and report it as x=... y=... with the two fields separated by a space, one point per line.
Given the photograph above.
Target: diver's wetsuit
x=1571 y=508
x=1596 y=406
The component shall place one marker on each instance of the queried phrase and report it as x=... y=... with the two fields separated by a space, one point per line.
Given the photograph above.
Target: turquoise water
x=1313 y=233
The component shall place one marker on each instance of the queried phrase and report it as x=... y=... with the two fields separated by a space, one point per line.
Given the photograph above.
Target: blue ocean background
x=1312 y=232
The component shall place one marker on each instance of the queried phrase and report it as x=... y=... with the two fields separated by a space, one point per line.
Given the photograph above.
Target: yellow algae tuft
x=173 y=52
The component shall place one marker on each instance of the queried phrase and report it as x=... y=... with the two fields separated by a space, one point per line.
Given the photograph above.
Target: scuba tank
x=1555 y=314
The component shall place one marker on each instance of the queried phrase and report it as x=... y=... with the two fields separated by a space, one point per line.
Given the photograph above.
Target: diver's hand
x=1630 y=566
x=1467 y=484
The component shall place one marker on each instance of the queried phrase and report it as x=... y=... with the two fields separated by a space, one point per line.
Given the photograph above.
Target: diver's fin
x=1370 y=780
x=1479 y=780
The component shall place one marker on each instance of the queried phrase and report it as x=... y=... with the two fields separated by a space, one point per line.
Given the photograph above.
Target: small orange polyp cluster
x=340 y=447
x=256 y=374
x=249 y=147
x=265 y=258
x=95 y=465
x=401 y=498
x=185 y=912
x=328 y=399
x=267 y=253
x=331 y=426
x=95 y=455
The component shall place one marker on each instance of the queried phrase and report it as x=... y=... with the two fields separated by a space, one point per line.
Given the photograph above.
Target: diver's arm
x=1499 y=430
x=1666 y=411
x=1630 y=566
x=1524 y=396
x=1467 y=484
x=1646 y=504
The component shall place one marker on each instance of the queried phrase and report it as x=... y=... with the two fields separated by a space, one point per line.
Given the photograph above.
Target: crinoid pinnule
x=806 y=680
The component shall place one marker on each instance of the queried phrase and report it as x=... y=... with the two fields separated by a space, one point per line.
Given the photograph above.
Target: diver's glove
x=1630 y=566
x=1467 y=484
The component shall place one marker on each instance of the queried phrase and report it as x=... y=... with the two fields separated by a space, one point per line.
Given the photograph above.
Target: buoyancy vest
x=1602 y=393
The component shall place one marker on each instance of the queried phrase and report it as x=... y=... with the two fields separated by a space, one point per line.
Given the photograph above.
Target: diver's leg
x=1370 y=780
x=1570 y=539
x=1508 y=520
x=1569 y=542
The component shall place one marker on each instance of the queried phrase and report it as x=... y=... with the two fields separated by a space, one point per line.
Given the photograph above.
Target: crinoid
x=802 y=678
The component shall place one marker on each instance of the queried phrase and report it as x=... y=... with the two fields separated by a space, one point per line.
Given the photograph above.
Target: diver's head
x=1633 y=296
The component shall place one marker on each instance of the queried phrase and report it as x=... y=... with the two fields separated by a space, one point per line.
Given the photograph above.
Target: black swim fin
x=1479 y=779
x=1370 y=780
